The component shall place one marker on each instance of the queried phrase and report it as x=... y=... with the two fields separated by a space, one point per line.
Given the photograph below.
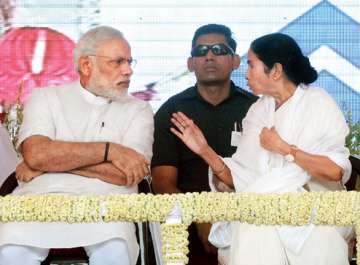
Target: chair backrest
x=355 y=173
x=353 y=184
x=9 y=185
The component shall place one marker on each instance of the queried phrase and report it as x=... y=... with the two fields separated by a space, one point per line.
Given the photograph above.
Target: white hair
x=92 y=39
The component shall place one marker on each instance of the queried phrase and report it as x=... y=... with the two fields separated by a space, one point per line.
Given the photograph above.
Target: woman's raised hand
x=188 y=132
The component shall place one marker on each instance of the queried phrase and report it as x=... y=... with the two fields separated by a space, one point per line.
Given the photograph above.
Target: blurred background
x=37 y=38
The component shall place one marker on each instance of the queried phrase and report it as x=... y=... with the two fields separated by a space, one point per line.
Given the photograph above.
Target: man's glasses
x=117 y=62
x=217 y=49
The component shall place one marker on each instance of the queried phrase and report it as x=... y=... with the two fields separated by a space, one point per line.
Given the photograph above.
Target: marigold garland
x=320 y=208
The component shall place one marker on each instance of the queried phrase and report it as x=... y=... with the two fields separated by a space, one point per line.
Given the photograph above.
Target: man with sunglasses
x=85 y=138
x=217 y=106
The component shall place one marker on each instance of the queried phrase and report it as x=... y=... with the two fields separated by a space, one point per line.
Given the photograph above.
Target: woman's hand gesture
x=189 y=133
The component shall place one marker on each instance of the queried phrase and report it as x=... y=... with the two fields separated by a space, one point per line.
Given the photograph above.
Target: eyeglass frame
x=229 y=50
x=118 y=61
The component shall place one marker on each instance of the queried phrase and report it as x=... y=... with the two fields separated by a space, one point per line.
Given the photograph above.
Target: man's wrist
x=285 y=149
x=291 y=155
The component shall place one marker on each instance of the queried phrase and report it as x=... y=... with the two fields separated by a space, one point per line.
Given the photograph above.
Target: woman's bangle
x=219 y=172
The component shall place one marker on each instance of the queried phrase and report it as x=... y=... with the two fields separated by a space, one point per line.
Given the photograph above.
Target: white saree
x=311 y=120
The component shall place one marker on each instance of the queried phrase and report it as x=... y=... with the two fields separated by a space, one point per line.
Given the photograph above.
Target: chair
x=9 y=185
x=78 y=255
x=353 y=184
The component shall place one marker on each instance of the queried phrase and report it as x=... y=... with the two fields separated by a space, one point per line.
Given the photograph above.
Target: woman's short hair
x=281 y=48
x=92 y=39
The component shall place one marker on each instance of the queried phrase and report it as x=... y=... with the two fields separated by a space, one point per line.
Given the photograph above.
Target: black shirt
x=216 y=123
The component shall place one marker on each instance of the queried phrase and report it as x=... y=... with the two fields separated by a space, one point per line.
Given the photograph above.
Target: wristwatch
x=290 y=157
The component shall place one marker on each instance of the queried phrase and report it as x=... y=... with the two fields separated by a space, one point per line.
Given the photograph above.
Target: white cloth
x=155 y=230
x=324 y=246
x=110 y=252
x=70 y=113
x=22 y=255
x=311 y=120
x=8 y=157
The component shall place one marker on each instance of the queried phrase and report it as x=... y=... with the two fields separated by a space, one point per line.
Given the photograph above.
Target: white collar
x=91 y=98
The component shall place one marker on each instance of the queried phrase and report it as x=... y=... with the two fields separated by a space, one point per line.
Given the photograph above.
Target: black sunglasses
x=217 y=49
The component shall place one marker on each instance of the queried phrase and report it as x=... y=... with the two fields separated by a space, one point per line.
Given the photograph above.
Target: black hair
x=281 y=48
x=217 y=29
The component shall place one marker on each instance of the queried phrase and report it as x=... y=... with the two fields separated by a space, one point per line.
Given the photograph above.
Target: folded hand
x=25 y=174
x=134 y=165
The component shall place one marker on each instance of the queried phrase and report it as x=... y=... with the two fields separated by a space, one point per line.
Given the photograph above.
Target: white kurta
x=311 y=120
x=8 y=157
x=71 y=113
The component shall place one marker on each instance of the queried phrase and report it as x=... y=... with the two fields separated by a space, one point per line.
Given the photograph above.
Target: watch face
x=289 y=158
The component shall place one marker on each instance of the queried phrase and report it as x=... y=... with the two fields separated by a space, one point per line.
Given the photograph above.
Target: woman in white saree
x=292 y=141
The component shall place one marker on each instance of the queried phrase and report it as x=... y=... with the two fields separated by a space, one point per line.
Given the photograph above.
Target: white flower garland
x=175 y=243
x=320 y=208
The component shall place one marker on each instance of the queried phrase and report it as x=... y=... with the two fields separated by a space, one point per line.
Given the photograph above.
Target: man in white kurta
x=76 y=119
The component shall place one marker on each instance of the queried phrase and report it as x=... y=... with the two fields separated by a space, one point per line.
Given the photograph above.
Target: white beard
x=100 y=86
x=109 y=93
